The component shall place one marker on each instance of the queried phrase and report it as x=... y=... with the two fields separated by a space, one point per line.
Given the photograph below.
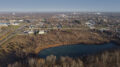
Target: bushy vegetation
x=22 y=48
x=107 y=59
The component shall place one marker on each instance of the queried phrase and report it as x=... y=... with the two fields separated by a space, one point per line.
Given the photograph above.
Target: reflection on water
x=77 y=50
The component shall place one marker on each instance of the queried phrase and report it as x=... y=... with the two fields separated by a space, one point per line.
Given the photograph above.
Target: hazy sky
x=60 y=5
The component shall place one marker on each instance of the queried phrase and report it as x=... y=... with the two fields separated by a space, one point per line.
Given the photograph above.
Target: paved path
x=11 y=35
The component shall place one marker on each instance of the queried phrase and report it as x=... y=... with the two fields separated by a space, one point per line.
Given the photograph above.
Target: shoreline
x=38 y=49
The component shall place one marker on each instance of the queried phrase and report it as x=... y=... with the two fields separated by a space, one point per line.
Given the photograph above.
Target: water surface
x=77 y=50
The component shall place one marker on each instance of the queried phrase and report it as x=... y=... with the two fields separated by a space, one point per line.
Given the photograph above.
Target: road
x=57 y=28
x=11 y=35
x=14 y=33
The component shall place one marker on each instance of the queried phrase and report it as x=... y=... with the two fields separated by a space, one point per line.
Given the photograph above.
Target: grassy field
x=22 y=46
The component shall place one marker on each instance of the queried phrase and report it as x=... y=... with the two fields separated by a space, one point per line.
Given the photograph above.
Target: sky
x=60 y=5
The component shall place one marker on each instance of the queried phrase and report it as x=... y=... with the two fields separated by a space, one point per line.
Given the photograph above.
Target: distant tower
x=74 y=13
x=13 y=13
x=98 y=13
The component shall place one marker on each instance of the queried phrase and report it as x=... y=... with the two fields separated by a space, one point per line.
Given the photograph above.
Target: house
x=104 y=29
x=117 y=29
x=4 y=24
x=31 y=26
x=21 y=20
x=15 y=24
x=59 y=26
x=41 y=32
x=90 y=24
x=92 y=27
x=29 y=32
x=62 y=15
x=12 y=21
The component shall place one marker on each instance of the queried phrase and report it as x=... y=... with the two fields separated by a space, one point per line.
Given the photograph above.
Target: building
x=104 y=29
x=90 y=24
x=29 y=32
x=117 y=30
x=21 y=20
x=4 y=24
x=92 y=27
x=15 y=24
x=12 y=21
x=34 y=32
x=41 y=32
x=31 y=26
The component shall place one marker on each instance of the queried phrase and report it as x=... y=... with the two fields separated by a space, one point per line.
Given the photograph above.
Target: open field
x=22 y=46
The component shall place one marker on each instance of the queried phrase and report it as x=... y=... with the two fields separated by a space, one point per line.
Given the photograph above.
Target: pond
x=77 y=50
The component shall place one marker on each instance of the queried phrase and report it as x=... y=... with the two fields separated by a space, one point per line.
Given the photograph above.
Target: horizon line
x=57 y=11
